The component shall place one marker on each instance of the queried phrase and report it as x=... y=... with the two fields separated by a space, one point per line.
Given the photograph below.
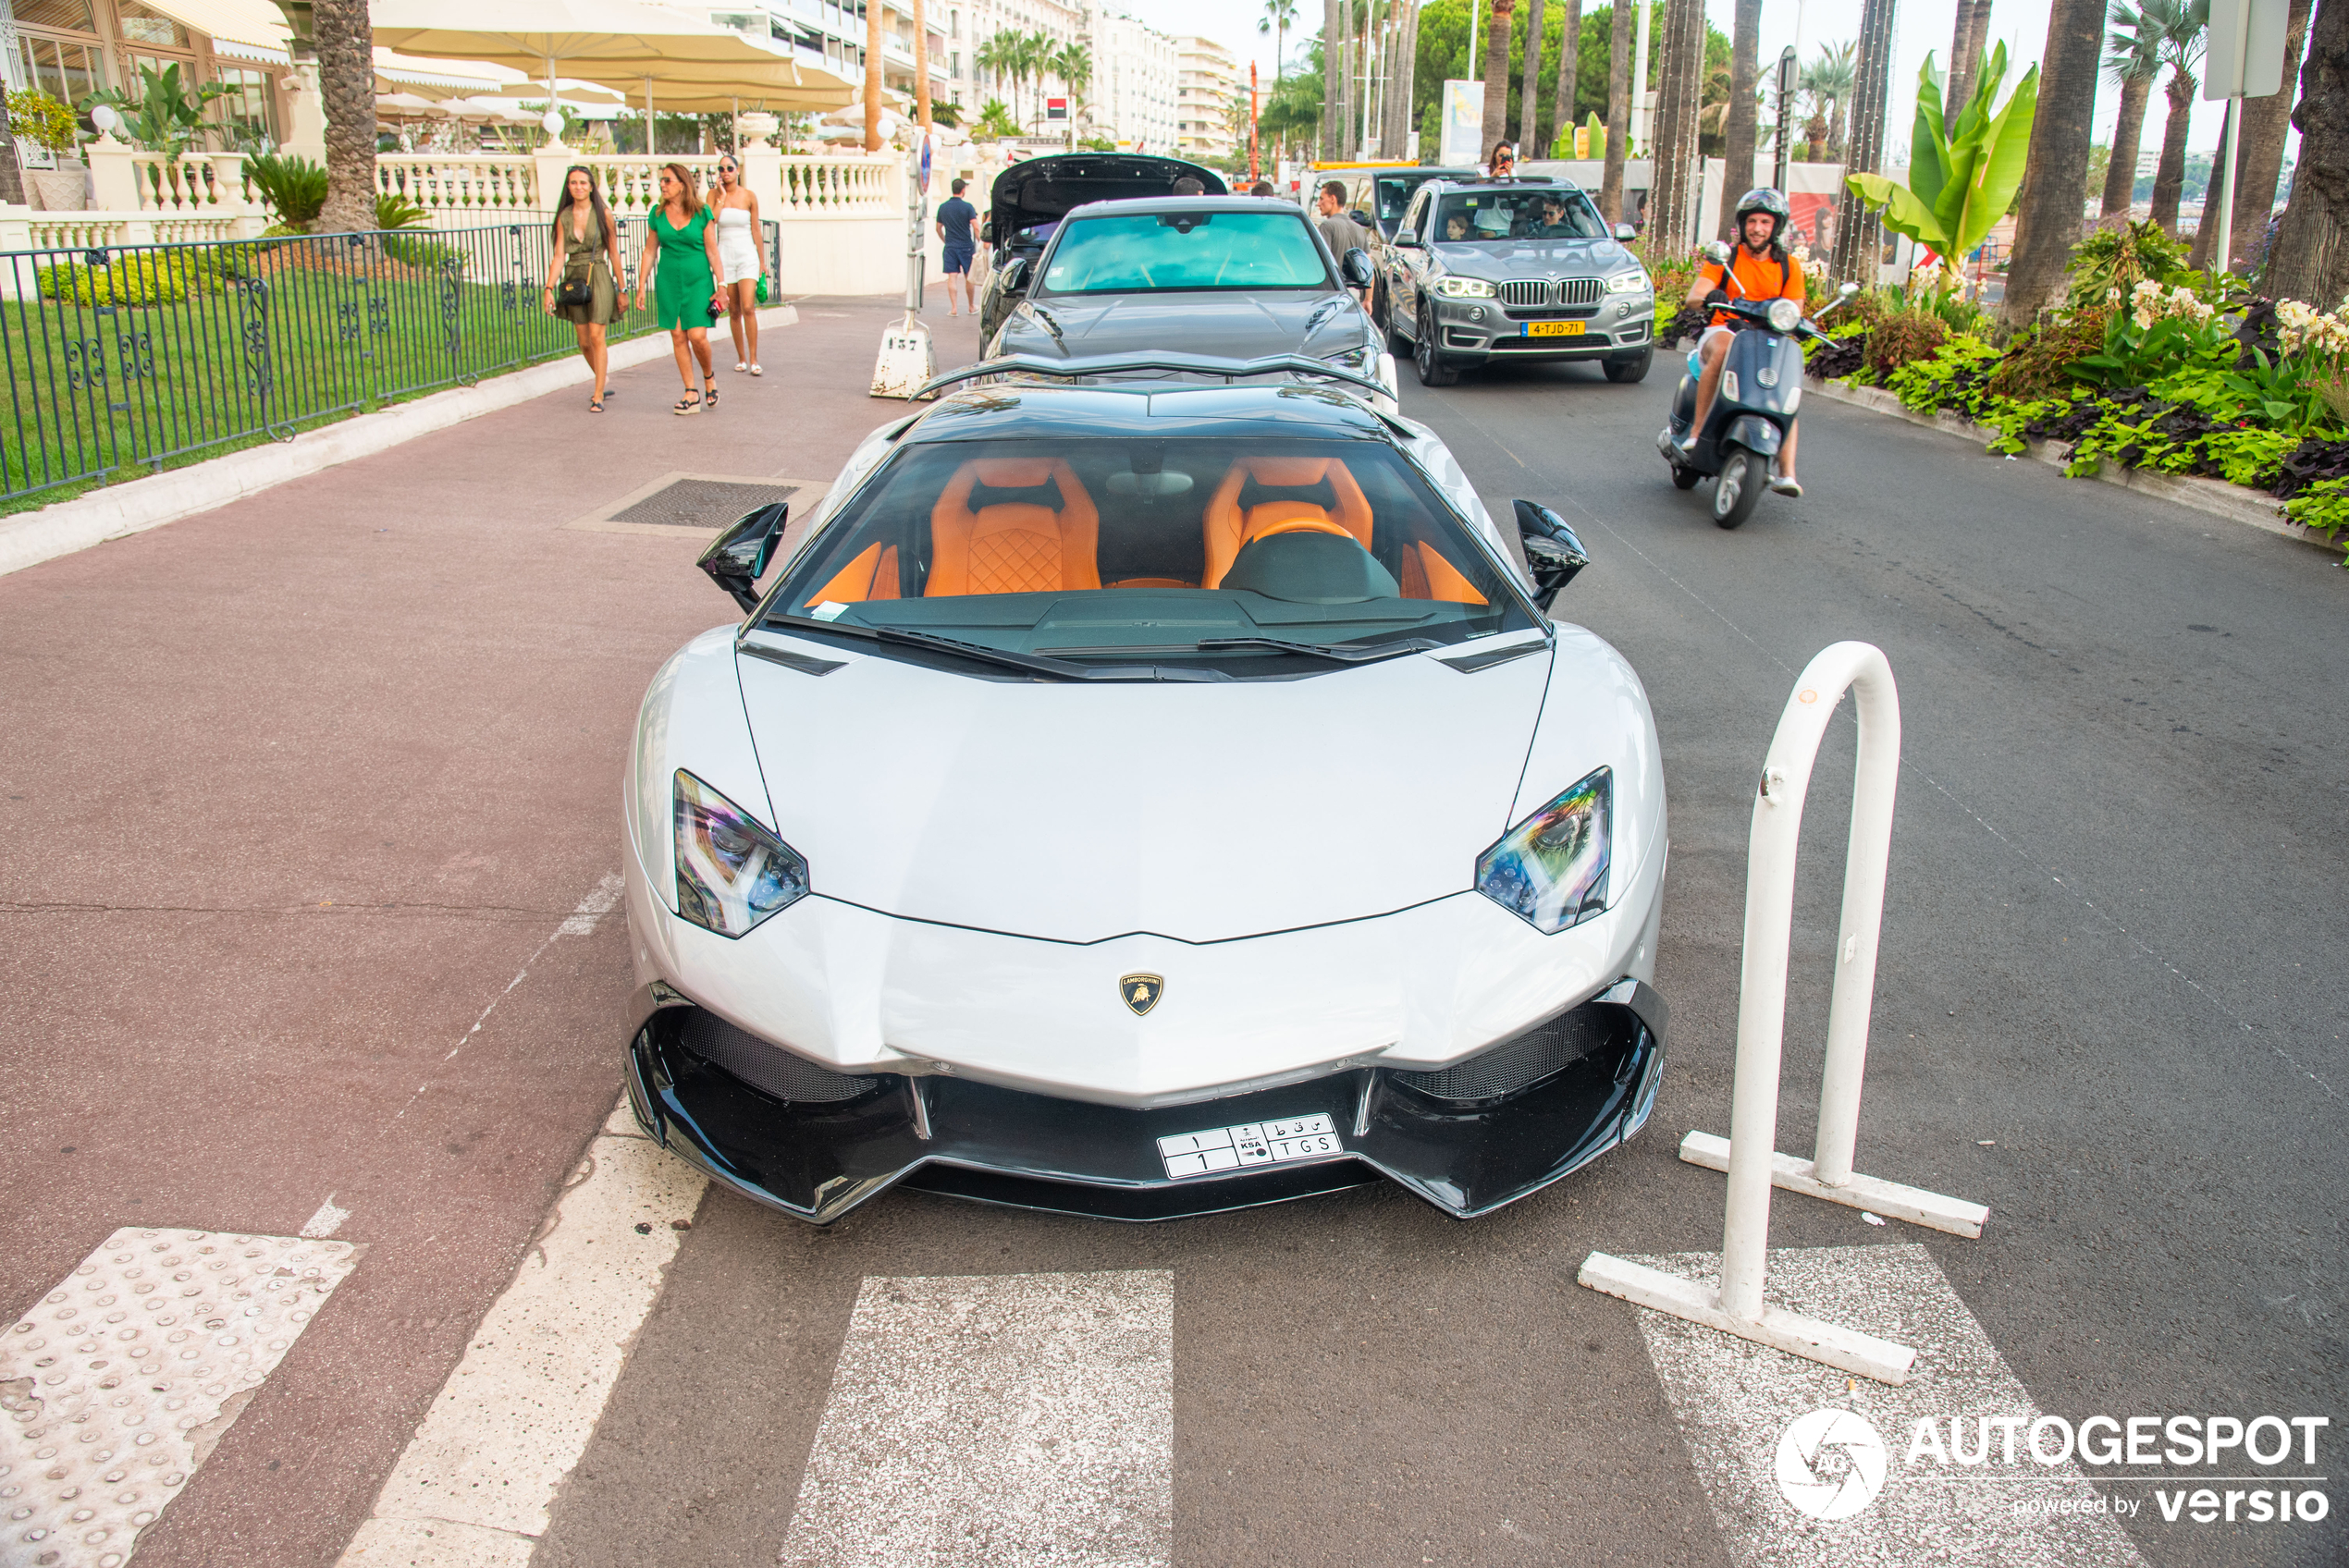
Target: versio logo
x=1831 y=1463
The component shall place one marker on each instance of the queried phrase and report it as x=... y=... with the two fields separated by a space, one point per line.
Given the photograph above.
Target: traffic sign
x=2246 y=59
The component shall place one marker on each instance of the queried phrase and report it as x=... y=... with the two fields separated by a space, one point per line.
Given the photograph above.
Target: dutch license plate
x=1250 y=1143
x=1553 y=329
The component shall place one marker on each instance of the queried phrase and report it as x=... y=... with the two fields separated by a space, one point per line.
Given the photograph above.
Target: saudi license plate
x=1250 y=1143
x=1553 y=329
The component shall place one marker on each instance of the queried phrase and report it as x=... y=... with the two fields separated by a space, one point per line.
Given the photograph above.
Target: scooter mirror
x=1625 y=233
x=1847 y=291
x=1552 y=552
x=1718 y=253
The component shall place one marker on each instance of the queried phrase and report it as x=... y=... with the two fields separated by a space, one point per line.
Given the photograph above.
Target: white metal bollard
x=907 y=361
x=1749 y=1154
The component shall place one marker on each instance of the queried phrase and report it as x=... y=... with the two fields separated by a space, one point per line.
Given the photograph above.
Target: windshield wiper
x=1343 y=653
x=1036 y=664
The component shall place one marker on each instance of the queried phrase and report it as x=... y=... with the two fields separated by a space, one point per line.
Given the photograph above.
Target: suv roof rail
x=1112 y=365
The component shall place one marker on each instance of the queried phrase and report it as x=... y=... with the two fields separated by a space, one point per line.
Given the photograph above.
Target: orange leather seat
x=1229 y=527
x=1013 y=547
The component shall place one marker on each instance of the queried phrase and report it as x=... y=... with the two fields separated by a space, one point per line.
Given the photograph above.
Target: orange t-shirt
x=1759 y=277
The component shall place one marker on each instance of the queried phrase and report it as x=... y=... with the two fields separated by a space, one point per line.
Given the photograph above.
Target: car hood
x=1534 y=258
x=1235 y=326
x=1081 y=812
x=1037 y=191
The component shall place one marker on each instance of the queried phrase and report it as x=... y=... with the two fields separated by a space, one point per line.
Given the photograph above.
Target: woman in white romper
x=739 y=259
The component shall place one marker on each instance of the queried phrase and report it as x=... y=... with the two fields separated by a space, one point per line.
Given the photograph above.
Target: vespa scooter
x=1761 y=388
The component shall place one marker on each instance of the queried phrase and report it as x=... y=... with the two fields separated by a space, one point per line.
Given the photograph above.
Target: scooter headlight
x=1464 y=287
x=1551 y=869
x=731 y=873
x=1785 y=315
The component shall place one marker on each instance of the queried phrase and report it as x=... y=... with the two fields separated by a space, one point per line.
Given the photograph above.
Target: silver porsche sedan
x=1480 y=271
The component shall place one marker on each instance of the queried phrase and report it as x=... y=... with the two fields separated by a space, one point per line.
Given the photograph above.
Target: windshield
x=1532 y=213
x=1150 y=251
x=1121 y=550
x=1394 y=194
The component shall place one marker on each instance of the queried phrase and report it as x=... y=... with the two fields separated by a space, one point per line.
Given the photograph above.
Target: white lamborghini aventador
x=1140 y=799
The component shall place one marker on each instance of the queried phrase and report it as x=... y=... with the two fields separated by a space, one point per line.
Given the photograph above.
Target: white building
x=1207 y=79
x=1135 y=72
x=970 y=23
x=832 y=35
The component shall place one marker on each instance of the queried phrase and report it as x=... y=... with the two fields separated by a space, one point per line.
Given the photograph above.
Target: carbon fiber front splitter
x=978 y=1141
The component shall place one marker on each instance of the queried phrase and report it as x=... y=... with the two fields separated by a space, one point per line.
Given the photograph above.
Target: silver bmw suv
x=1524 y=269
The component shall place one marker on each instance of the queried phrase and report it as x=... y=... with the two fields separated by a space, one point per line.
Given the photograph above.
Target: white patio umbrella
x=601 y=39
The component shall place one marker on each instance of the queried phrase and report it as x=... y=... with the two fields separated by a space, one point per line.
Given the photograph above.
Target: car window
x=1115 y=545
x=1395 y=193
x=1148 y=252
x=1417 y=213
x=1471 y=216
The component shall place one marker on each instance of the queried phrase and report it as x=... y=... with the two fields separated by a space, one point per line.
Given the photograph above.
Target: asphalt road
x=296 y=790
x=2107 y=955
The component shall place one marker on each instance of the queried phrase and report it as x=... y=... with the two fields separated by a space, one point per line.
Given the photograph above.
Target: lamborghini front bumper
x=1468 y=1139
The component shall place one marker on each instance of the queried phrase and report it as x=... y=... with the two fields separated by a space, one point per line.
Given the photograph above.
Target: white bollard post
x=1751 y=1148
x=1750 y=1155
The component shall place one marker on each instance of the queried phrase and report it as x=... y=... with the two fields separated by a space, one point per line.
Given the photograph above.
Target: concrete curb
x=117 y=511
x=2214 y=496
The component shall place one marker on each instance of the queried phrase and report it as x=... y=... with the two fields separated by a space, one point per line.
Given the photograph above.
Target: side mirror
x=1014 y=274
x=1551 y=550
x=1355 y=267
x=1718 y=253
x=736 y=557
x=1625 y=233
x=1408 y=236
x=1358 y=215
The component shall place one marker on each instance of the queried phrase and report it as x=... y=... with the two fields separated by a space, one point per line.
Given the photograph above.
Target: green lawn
x=96 y=394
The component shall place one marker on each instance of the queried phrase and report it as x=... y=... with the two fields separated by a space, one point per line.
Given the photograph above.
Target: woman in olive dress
x=586 y=248
x=684 y=245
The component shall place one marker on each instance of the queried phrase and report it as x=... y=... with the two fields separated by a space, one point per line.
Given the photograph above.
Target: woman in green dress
x=586 y=249
x=684 y=244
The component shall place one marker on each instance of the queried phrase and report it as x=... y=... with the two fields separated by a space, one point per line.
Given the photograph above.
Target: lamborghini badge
x=1141 y=991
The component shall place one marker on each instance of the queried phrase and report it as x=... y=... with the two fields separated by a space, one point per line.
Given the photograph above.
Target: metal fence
x=120 y=358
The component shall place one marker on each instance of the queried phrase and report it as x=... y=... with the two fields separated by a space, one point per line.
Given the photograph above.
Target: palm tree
x=1041 y=52
x=1967 y=41
x=2047 y=216
x=1828 y=80
x=2131 y=59
x=2262 y=125
x=1737 y=140
x=1073 y=63
x=1496 y=75
x=2179 y=27
x=1570 y=66
x=2311 y=256
x=1278 y=18
x=346 y=91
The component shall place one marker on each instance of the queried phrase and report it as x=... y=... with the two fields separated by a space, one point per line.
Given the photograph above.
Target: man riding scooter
x=1759 y=268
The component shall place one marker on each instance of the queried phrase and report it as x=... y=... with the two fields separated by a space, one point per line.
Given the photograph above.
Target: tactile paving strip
x=123 y=1378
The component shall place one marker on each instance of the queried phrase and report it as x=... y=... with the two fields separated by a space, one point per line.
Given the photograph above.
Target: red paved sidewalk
x=294 y=791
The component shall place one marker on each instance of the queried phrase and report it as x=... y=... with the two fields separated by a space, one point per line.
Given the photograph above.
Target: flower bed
x=2149 y=366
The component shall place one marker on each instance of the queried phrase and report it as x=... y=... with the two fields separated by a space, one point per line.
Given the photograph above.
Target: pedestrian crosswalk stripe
x=477 y=1482
x=121 y=1381
x=1736 y=1401
x=976 y=1421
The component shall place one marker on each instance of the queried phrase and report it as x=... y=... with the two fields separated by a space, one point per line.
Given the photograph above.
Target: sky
x=1923 y=24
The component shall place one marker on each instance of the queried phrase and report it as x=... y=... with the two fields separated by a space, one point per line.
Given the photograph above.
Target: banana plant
x=1962 y=178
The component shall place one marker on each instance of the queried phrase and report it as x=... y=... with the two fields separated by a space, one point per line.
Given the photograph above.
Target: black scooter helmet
x=1763 y=199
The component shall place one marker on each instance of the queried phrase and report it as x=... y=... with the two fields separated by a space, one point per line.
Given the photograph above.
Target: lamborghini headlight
x=1552 y=868
x=1364 y=359
x=1464 y=287
x=1633 y=282
x=731 y=873
x=1785 y=315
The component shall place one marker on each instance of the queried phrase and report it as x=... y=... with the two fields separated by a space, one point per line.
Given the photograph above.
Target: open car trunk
x=1040 y=191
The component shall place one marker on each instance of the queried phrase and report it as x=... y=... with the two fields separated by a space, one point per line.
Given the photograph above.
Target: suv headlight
x=1551 y=869
x=1464 y=287
x=731 y=873
x=1785 y=315
x=1627 y=283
